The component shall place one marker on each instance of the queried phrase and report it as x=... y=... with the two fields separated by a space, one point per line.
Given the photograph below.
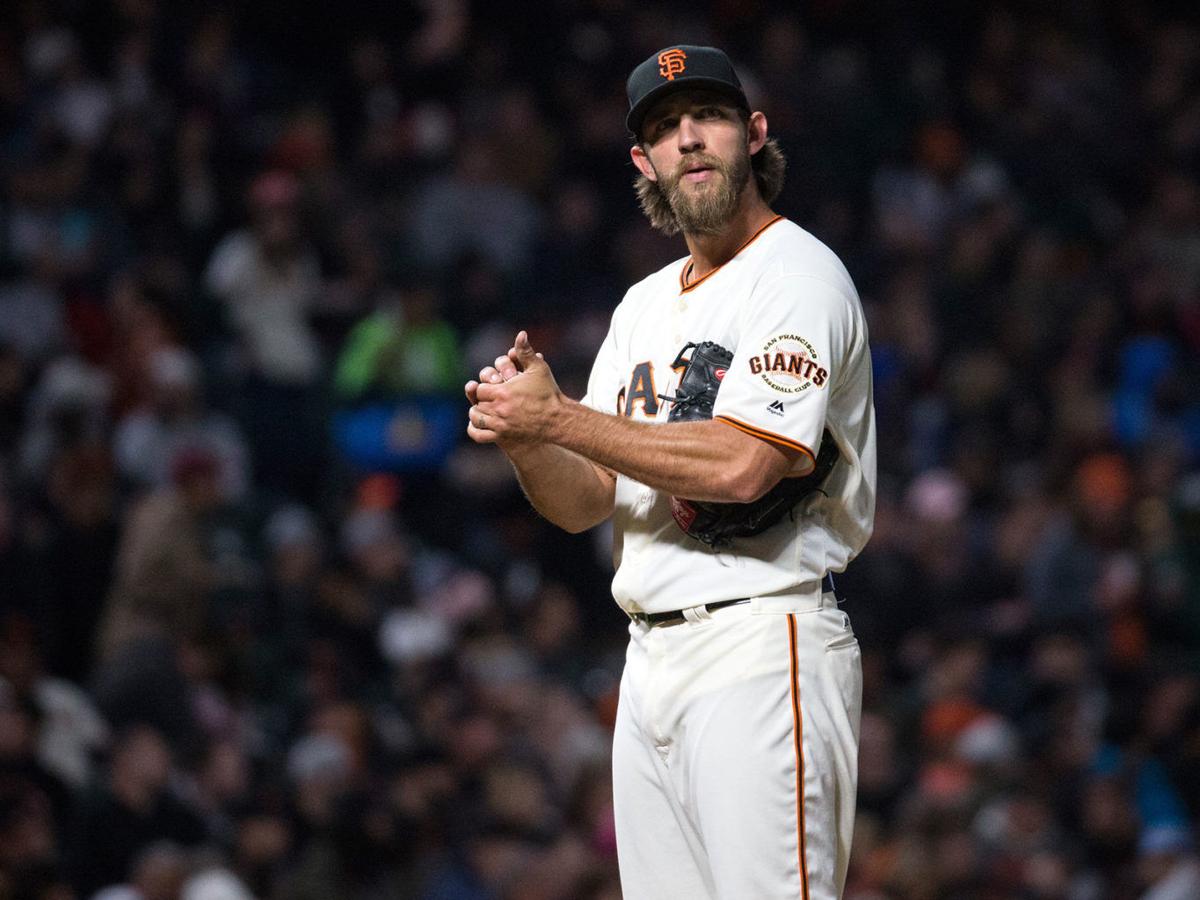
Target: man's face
x=697 y=147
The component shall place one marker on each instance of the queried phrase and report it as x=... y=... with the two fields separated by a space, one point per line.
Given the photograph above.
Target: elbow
x=749 y=483
x=577 y=521
x=579 y=526
x=574 y=526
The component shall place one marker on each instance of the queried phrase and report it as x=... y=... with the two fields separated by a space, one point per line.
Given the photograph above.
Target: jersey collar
x=686 y=271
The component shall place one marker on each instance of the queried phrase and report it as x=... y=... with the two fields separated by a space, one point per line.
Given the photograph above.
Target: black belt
x=675 y=617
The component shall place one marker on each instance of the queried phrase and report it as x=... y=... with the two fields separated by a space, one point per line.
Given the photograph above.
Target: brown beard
x=767 y=166
x=707 y=211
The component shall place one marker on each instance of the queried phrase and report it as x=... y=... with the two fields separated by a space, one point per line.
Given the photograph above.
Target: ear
x=756 y=132
x=642 y=161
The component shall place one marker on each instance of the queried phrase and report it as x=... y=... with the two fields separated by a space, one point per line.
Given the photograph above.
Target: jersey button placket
x=678 y=316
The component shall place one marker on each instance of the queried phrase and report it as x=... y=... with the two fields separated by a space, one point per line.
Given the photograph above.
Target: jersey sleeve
x=794 y=337
x=604 y=383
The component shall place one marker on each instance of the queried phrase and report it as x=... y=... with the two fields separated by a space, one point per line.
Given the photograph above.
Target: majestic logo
x=775 y=407
x=789 y=364
x=720 y=374
x=671 y=63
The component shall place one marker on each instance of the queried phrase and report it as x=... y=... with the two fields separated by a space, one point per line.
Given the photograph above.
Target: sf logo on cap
x=671 y=63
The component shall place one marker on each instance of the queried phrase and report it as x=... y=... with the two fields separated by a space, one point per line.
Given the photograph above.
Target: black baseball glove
x=717 y=524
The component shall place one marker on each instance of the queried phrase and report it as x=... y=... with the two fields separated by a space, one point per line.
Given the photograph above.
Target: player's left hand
x=521 y=409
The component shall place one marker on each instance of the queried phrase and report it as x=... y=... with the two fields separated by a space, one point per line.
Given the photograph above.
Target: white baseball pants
x=735 y=756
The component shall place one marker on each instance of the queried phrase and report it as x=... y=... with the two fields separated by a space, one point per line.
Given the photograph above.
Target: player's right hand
x=518 y=401
x=503 y=369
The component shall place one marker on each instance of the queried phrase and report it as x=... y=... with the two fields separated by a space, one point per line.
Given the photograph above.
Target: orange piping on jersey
x=684 y=287
x=798 y=741
x=769 y=436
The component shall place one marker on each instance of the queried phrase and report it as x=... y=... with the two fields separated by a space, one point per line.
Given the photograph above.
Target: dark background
x=242 y=654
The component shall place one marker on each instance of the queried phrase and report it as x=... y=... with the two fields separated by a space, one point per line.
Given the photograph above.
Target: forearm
x=707 y=460
x=698 y=460
x=563 y=486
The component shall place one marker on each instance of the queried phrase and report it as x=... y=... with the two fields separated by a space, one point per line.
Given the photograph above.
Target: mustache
x=710 y=162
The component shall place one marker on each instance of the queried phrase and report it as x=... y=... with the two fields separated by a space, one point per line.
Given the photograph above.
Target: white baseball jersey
x=788 y=310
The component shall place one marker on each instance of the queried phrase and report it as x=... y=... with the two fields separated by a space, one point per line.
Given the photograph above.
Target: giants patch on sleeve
x=789 y=364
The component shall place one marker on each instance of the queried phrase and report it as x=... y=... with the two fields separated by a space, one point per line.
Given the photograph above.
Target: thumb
x=525 y=353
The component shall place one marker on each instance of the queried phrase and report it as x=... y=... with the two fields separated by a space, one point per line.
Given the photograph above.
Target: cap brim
x=634 y=120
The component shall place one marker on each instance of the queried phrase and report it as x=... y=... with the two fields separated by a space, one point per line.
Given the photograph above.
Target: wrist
x=520 y=452
x=560 y=425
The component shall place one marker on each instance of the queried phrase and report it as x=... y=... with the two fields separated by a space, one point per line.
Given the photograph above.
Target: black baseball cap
x=677 y=67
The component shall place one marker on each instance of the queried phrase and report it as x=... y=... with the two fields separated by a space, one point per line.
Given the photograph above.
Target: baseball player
x=735 y=750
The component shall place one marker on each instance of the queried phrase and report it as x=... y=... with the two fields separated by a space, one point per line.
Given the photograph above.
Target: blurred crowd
x=236 y=661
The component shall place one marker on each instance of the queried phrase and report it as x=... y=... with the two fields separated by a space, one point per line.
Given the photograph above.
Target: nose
x=689 y=135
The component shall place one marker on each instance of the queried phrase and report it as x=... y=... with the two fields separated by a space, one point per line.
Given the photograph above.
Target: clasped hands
x=515 y=400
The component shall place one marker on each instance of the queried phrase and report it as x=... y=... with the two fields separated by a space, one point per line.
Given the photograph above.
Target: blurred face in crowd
x=141 y=766
x=274 y=198
x=555 y=620
x=417 y=791
x=1101 y=492
x=498 y=857
x=16 y=730
x=20 y=663
x=516 y=795
x=147 y=754
x=199 y=483
x=159 y=874
x=878 y=769
x=297 y=564
x=696 y=148
x=384 y=560
x=278 y=226
x=1108 y=817
x=262 y=840
x=27 y=837
x=81 y=485
x=226 y=772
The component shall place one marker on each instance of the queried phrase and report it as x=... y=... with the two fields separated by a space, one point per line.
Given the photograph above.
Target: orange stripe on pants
x=798 y=738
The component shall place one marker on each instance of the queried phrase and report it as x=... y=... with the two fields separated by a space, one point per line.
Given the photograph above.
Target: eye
x=662 y=126
x=710 y=112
